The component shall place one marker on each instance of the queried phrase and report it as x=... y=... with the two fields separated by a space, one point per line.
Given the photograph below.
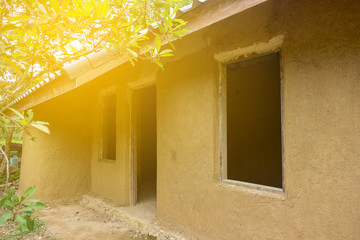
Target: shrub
x=19 y=209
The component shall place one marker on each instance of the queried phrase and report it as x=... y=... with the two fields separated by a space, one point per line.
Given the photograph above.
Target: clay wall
x=320 y=59
x=320 y=104
x=59 y=163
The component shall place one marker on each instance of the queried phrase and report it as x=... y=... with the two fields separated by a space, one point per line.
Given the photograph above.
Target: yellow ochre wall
x=320 y=59
x=59 y=163
x=321 y=112
x=110 y=179
x=69 y=161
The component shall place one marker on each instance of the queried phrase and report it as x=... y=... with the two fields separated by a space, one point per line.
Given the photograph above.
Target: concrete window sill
x=256 y=189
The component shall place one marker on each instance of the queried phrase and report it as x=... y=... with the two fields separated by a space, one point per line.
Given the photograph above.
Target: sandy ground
x=91 y=217
x=76 y=222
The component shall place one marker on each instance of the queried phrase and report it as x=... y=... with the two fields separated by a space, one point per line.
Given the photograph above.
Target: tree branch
x=7 y=168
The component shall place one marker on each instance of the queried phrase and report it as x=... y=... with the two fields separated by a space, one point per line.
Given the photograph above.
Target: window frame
x=223 y=121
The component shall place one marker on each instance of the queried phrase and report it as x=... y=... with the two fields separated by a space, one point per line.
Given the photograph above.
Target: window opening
x=109 y=127
x=253 y=121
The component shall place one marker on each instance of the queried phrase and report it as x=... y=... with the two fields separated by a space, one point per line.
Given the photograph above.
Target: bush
x=19 y=210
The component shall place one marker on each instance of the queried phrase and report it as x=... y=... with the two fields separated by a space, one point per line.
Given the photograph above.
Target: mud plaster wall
x=321 y=112
x=111 y=179
x=321 y=108
x=59 y=163
x=69 y=161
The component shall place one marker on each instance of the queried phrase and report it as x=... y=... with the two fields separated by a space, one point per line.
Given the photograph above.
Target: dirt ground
x=75 y=222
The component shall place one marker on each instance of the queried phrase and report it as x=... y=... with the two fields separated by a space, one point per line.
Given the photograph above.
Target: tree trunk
x=9 y=136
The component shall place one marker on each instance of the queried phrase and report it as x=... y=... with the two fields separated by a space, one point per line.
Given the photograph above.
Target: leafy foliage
x=25 y=119
x=19 y=209
x=38 y=37
x=21 y=121
x=4 y=122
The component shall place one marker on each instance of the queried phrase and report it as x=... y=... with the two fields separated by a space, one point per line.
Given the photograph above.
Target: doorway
x=145 y=142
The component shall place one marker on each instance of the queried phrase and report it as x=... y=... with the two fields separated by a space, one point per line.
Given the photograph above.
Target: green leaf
x=160 y=64
x=41 y=122
x=2 y=203
x=41 y=127
x=30 y=26
x=8 y=27
x=43 y=9
x=30 y=208
x=18 y=18
x=33 y=200
x=103 y=8
x=38 y=205
x=30 y=191
x=29 y=222
x=44 y=19
x=17 y=113
x=134 y=54
x=13 y=65
x=23 y=122
x=55 y=5
x=9 y=205
x=166 y=53
x=88 y=6
x=79 y=4
x=180 y=21
x=22 y=222
x=27 y=210
x=181 y=32
x=29 y=116
x=76 y=14
x=5 y=217
x=65 y=4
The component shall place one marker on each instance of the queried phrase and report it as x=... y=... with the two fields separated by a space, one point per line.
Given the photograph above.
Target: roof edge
x=95 y=64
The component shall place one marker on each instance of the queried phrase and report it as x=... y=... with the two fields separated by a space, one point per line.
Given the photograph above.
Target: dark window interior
x=109 y=127
x=254 y=149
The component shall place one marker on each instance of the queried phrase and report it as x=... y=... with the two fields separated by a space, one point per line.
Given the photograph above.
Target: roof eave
x=96 y=64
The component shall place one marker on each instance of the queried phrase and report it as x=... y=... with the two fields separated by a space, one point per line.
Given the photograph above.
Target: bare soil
x=74 y=222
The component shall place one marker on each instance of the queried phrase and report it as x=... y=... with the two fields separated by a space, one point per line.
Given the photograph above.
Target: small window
x=253 y=121
x=109 y=127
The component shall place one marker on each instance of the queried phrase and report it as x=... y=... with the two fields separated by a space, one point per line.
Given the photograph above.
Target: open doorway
x=146 y=144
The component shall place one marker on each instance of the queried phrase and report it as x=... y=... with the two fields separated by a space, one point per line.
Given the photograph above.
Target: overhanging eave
x=93 y=66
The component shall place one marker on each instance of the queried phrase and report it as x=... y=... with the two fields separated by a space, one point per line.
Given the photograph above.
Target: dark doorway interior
x=109 y=127
x=146 y=144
